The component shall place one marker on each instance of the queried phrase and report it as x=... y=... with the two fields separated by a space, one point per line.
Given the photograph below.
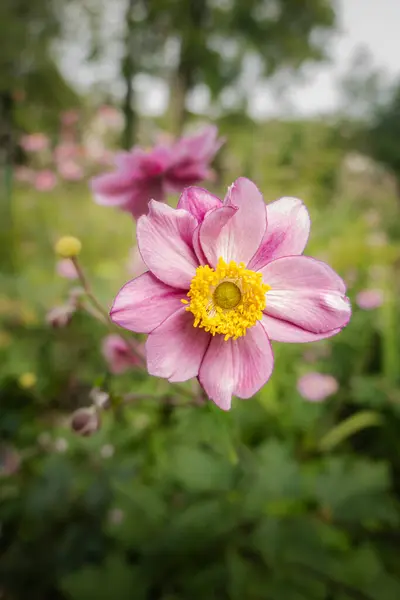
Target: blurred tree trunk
x=184 y=77
x=7 y=144
x=128 y=72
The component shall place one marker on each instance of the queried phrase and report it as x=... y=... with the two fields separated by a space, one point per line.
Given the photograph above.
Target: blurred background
x=293 y=495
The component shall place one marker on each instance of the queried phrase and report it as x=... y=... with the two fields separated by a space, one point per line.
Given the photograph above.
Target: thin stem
x=103 y=312
x=88 y=290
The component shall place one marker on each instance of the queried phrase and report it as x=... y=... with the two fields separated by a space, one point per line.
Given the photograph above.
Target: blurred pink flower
x=60 y=316
x=45 y=180
x=118 y=355
x=35 y=142
x=10 y=461
x=370 y=299
x=24 y=174
x=225 y=278
x=66 y=268
x=136 y=265
x=70 y=170
x=69 y=117
x=317 y=386
x=110 y=116
x=141 y=176
x=106 y=158
x=67 y=150
x=95 y=152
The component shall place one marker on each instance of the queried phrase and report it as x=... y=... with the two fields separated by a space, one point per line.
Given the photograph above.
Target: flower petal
x=307 y=293
x=176 y=348
x=239 y=367
x=144 y=303
x=210 y=232
x=198 y=248
x=112 y=189
x=283 y=331
x=131 y=194
x=287 y=231
x=165 y=243
x=240 y=238
x=198 y=202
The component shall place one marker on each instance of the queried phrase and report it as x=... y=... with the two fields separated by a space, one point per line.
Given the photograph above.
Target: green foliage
x=279 y=499
x=381 y=136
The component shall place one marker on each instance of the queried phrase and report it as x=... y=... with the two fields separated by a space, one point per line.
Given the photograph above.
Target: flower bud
x=68 y=247
x=60 y=316
x=85 y=421
x=27 y=380
x=100 y=398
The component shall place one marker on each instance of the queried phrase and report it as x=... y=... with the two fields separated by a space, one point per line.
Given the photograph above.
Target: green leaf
x=198 y=470
x=114 y=579
x=349 y=427
x=272 y=483
x=355 y=491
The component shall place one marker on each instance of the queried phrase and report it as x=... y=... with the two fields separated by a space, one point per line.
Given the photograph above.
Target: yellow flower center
x=226 y=300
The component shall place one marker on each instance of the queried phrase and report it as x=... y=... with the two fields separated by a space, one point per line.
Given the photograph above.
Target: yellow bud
x=68 y=246
x=27 y=380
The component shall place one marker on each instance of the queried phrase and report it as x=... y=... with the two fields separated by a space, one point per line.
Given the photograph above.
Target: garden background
x=292 y=495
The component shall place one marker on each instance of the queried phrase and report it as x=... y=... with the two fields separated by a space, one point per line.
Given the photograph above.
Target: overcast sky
x=371 y=24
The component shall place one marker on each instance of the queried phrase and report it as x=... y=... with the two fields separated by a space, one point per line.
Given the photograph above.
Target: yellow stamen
x=226 y=300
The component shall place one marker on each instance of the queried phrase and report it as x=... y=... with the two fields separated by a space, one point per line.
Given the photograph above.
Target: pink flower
x=224 y=279
x=110 y=116
x=36 y=142
x=316 y=386
x=60 y=316
x=45 y=180
x=66 y=268
x=118 y=355
x=69 y=118
x=70 y=170
x=142 y=176
x=370 y=299
x=66 y=151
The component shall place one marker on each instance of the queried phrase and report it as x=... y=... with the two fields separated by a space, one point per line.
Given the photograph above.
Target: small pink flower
x=317 y=386
x=224 y=279
x=118 y=355
x=60 y=316
x=10 y=461
x=66 y=268
x=69 y=118
x=142 y=176
x=370 y=299
x=45 y=180
x=24 y=174
x=35 y=142
x=110 y=116
x=66 y=151
x=70 y=170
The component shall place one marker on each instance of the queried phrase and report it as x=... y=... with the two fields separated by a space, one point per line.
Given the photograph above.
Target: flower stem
x=103 y=313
